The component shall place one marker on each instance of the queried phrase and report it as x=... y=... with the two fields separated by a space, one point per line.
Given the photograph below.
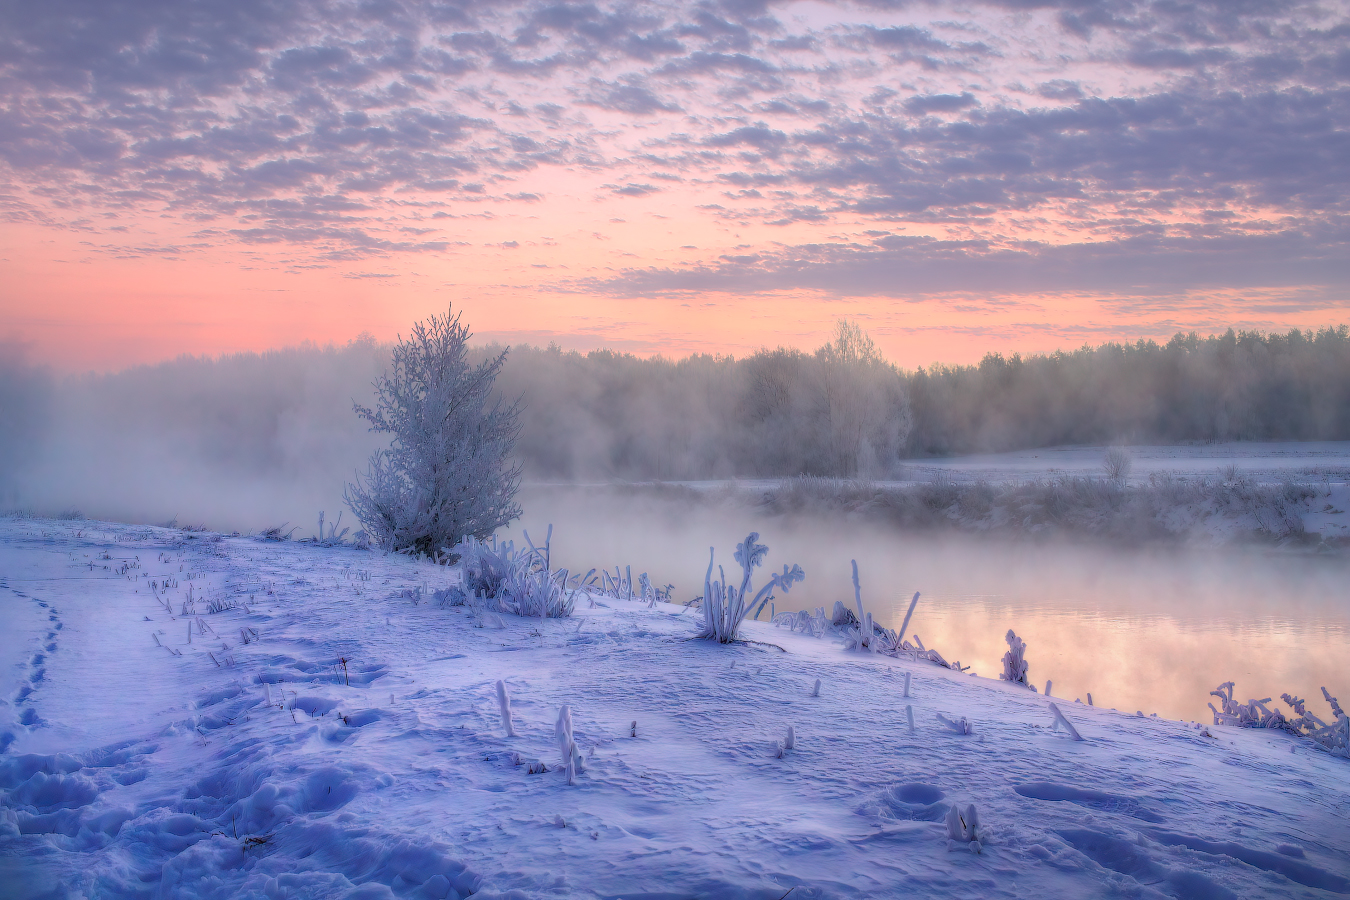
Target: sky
x=1018 y=175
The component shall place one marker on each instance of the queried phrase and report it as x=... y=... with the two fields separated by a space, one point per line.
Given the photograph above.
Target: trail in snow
x=329 y=732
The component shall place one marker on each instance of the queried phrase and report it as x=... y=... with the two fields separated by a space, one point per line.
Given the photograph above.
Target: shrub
x=1334 y=737
x=498 y=578
x=1015 y=665
x=1117 y=463
x=724 y=605
x=446 y=473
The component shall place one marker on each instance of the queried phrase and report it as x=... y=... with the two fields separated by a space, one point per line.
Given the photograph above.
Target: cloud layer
x=877 y=148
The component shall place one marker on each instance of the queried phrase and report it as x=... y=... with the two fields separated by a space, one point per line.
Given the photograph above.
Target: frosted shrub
x=859 y=631
x=1334 y=737
x=1015 y=665
x=332 y=537
x=533 y=589
x=842 y=617
x=1117 y=463
x=725 y=606
x=802 y=621
x=447 y=471
x=502 y=579
x=621 y=586
x=537 y=593
x=1252 y=714
x=485 y=567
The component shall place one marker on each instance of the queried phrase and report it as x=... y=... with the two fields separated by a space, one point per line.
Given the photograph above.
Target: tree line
x=845 y=411
x=1247 y=386
x=841 y=410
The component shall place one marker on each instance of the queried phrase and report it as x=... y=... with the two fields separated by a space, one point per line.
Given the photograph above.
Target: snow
x=380 y=767
x=1260 y=460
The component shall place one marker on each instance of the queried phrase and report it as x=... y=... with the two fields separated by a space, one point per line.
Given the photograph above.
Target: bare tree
x=447 y=472
x=868 y=415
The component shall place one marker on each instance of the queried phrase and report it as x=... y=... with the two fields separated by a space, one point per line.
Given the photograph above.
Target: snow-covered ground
x=332 y=734
x=1260 y=460
x=1166 y=622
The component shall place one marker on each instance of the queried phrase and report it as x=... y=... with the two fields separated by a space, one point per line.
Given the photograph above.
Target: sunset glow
x=668 y=177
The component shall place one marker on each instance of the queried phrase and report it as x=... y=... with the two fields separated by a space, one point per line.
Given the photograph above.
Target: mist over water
x=1141 y=629
x=248 y=442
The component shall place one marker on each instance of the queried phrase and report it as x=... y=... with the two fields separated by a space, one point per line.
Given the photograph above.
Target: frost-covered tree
x=447 y=472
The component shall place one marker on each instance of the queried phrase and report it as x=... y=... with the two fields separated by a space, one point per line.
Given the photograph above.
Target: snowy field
x=327 y=732
x=1262 y=461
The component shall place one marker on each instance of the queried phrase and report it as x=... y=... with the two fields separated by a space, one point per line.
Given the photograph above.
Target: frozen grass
x=1333 y=738
x=860 y=632
x=725 y=605
x=498 y=578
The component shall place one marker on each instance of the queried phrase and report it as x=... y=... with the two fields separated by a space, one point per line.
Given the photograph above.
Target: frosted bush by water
x=1334 y=737
x=501 y=579
x=724 y=605
x=1015 y=665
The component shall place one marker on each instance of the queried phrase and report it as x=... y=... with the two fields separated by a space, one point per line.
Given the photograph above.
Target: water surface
x=1151 y=629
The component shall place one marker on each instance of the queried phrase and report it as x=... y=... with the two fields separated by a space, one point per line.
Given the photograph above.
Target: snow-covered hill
x=328 y=731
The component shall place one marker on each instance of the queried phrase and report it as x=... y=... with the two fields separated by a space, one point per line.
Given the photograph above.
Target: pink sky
x=669 y=178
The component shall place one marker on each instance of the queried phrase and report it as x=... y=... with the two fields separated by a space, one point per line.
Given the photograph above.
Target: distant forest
x=845 y=411
x=840 y=411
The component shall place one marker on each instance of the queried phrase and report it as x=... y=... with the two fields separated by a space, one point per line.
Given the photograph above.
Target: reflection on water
x=1152 y=630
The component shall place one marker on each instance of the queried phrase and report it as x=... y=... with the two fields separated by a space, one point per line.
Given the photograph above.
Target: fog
x=1151 y=629
x=238 y=443
x=250 y=441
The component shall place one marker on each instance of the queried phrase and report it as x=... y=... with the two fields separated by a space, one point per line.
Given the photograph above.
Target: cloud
x=931 y=103
x=633 y=190
x=900 y=266
x=630 y=98
x=759 y=136
x=317 y=126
